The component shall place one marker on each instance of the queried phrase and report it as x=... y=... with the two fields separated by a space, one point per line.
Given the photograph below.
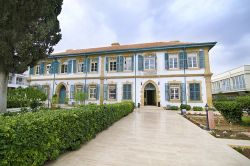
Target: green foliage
x=185 y=106
x=172 y=107
x=197 y=108
x=230 y=110
x=34 y=137
x=55 y=99
x=28 y=31
x=25 y=97
x=243 y=102
x=80 y=97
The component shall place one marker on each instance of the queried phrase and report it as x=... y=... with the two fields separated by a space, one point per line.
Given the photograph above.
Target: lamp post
x=206 y=108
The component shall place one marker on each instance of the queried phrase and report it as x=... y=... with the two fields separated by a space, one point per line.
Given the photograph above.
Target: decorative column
x=208 y=76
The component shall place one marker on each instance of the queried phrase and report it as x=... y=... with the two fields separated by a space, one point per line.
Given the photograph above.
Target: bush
x=32 y=138
x=230 y=110
x=25 y=97
x=243 y=102
x=185 y=106
x=172 y=107
x=197 y=108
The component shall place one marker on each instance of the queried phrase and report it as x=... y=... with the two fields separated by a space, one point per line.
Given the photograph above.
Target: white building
x=17 y=80
x=160 y=73
x=233 y=82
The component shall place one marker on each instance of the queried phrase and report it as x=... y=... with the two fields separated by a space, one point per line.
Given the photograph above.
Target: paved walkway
x=152 y=136
x=235 y=142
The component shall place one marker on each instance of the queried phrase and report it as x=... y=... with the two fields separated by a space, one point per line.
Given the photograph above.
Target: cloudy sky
x=94 y=23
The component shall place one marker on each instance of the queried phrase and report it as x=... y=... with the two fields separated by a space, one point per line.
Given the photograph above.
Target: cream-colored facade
x=160 y=73
x=233 y=82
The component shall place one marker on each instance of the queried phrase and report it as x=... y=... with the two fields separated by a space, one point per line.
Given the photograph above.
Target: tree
x=28 y=31
x=80 y=97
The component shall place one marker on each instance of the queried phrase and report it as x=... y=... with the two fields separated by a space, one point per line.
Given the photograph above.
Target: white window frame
x=80 y=67
x=48 y=68
x=93 y=65
x=150 y=61
x=92 y=92
x=173 y=61
x=65 y=68
x=174 y=92
x=37 y=69
x=194 y=60
x=127 y=63
x=112 y=64
x=113 y=87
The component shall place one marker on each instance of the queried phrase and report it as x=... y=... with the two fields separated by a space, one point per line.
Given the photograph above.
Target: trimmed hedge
x=197 y=108
x=34 y=137
x=185 y=106
x=172 y=107
x=230 y=110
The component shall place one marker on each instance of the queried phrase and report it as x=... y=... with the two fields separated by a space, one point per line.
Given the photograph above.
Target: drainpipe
x=185 y=80
x=135 y=76
x=85 y=79
x=53 y=87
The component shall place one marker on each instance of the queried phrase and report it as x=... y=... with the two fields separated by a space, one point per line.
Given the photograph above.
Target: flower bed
x=34 y=137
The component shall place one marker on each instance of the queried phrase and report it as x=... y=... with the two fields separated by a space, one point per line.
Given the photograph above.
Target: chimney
x=115 y=44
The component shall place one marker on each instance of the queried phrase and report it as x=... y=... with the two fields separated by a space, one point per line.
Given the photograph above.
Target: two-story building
x=160 y=73
x=232 y=83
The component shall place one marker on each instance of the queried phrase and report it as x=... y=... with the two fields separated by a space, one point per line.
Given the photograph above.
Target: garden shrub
x=172 y=107
x=230 y=110
x=25 y=97
x=243 y=102
x=32 y=138
x=197 y=108
x=185 y=106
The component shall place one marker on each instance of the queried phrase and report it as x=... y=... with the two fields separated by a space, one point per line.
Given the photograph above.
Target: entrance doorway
x=62 y=94
x=149 y=94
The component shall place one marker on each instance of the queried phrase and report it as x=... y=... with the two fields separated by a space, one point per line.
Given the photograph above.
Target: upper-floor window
x=93 y=63
x=149 y=62
x=174 y=91
x=112 y=64
x=112 y=92
x=192 y=60
x=173 y=61
x=10 y=80
x=194 y=91
x=64 y=68
x=127 y=63
x=38 y=69
x=92 y=92
x=48 y=68
x=81 y=67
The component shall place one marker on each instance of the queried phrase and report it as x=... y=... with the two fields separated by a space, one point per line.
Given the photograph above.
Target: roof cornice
x=136 y=50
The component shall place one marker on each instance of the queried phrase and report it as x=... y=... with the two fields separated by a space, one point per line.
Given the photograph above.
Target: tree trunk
x=3 y=90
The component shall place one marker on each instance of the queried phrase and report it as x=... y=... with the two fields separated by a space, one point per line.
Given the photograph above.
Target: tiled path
x=152 y=136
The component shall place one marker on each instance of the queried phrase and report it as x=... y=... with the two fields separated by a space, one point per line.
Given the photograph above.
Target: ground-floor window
x=194 y=91
x=174 y=91
x=112 y=92
x=92 y=92
x=127 y=95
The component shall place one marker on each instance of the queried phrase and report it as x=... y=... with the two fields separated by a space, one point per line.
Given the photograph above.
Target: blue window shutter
x=69 y=66
x=97 y=91
x=88 y=64
x=97 y=59
x=118 y=63
x=155 y=62
x=74 y=66
x=185 y=60
x=107 y=64
x=72 y=90
x=41 y=68
x=51 y=69
x=85 y=65
x=31 y=70
x=166 y=61
x=201 y=59
x=140 y=63
x=183 y=92
x=86 y=91
x=105 y=91
x=121 y=63
x=181 y=59
x=55 y=66
x=167 y=98
x=124 y=91
x=133 y=62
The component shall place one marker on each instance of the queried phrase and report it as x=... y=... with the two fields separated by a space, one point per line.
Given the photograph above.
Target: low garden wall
x=34 y=137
